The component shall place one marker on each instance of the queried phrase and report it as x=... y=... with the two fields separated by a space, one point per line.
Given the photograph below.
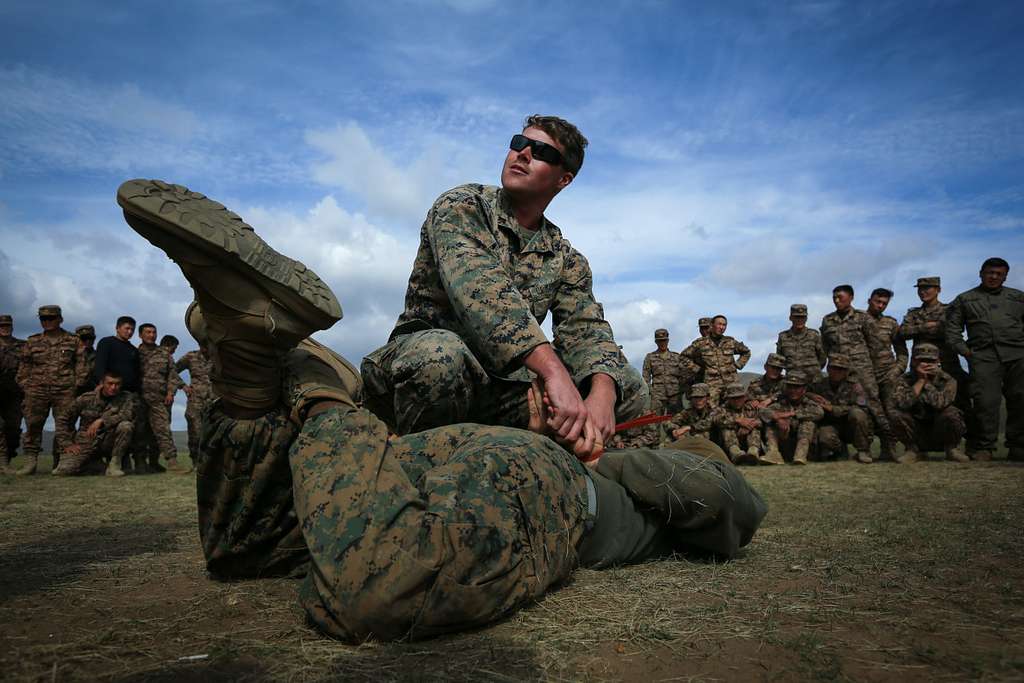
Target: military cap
x=50 y=309
x=796 y=379
x=661 y=333
x=700 y=389
x=85 y=331
x=838 y=360
x=933 y=281
x=776 y=360
x=704 y=322
x=925 y=351
x=6 y=320
x=735 y=390
x=799 y=310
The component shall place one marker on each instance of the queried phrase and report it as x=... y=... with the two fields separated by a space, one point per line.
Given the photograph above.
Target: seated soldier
x=762 y=391
x=846 y=412
x=740 y=425
x=790 y=422
x=698 y=419
x=105 y=432
x=400 y=537
x=926 y=419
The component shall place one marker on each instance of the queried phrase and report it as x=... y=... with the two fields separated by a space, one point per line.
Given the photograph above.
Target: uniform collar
x=541 y=240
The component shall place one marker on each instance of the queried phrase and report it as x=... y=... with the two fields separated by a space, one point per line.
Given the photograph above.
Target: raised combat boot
x=31 y=463
x=256 y=304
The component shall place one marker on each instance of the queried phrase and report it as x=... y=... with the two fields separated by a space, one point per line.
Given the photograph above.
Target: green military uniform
x=802 y=349
x=742 y=443
x=87 y=334
x=700 y=421
x=845 y=419
x=889 y=356
x=200 y=395
x=926 y=418
x=763 y=389
x=479 y=290
x=159 y=380
x=112 y=440
x=10 y=393
x=662 y=370
x=719 y=359
x=995 y=341
x=794 y=435
x=853 y=335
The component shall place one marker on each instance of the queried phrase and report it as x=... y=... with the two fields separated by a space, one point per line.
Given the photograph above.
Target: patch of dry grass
x=859 y=573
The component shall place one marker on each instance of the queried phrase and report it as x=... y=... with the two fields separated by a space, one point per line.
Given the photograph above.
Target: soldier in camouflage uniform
x=489 y=269
x=107 y=423
x=159 y=384
x=740 y=426
x=662 y=372
x=846 y=418
x=763 y=390
x=10 y=392
x=401 y=536
x=925 y=417
x=800 y=345
x=889 y=355
x=87 y=336
x=698 y=419
x=718 y=356
x=200 y=394
x=927 y=323
x=790 y=423
x=690 y=372
x=49 y=370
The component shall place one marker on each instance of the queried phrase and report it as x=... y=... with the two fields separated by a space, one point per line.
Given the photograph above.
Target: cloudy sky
x=743 y=155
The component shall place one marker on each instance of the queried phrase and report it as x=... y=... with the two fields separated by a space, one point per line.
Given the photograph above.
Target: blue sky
x=744 y=156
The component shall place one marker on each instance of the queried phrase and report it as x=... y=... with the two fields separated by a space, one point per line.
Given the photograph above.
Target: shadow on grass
x=50 y=560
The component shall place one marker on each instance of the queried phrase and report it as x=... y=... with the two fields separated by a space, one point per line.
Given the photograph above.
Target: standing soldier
x=790 y=422
x=107 y=421
x=199 y=392
x=763 y=390
x=10 y=392
x=800 y=345
x=846 y=417
x=926 y=418
x=689 y=372
x=716 y=356
x=159 y=383
x=740 y=426
x=86 y=336
x=661 y=372
x=994 y=318
x=889 y=355
x=48 y=374
x=927 y=323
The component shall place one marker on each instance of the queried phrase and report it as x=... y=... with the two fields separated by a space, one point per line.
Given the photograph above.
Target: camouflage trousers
x=741 y=438
x=195 y=408
x=430 y=379
x=10 y=412
x=107 y=444
x=853 y=428
x=155 y=427
x=38 y=404
x=716 y=386
x=938 y=432
x=800 y=432
x=664 y=402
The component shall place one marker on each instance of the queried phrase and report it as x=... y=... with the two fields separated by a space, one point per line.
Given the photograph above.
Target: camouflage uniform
x=113 y=438
x=48 y=373
x=158 y=380
x=928 y=421
x=716 y=359
x=700 y=422
x=799 y=435
x=764 y=390
x=662 y=372
x=885 y=340
x=87 y=382
x=480 y=287
x=739 y=441
x=200 y=396
x=690 y=372
x=803 y=349
x=10 y=393
x=846 y=420
x=853 y=335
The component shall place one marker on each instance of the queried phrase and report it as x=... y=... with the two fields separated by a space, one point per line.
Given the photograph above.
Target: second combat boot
x=800 y=453
x=31 y=463
x=910 y=456
x=71 y=463
x=863 y=457
x=114 y=467
x=956 y=455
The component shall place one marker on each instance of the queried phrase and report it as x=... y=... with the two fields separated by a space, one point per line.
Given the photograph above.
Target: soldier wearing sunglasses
x=489 y=269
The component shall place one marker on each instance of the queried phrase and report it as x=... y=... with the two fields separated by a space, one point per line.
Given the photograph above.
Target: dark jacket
x=994 y=322
x=121 y=356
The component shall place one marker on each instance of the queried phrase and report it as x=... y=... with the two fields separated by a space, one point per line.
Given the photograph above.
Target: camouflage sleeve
x=899 y=345
x=723 y=419
x=955 y=327
x=903 y=395
x=826 y=345
x=911 y=326
x=65 y=421
x=819 y=351
x=809 y=410
x=582 y=335
x=744 y=354
x=173 y=380
x=23 y=365
x=116 y=413
x=691 y=356
x=81 y=369
x=646 y=372
x=704 y=424
x=939 y=397
x=496 y=319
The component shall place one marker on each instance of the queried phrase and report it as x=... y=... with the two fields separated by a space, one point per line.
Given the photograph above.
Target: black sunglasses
x=47 y=318
x=540 y=150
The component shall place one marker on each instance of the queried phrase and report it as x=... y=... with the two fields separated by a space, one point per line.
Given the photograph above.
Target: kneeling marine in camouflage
x=400 y=537
x=740 y=425
x=846 y=417
x=925 y=417
x=790 y=422
x=107 y=423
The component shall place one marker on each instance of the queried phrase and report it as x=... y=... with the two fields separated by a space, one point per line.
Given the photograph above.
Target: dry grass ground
x=863 y=573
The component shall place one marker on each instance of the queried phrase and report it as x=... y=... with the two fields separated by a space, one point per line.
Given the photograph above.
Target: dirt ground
x=864 y=573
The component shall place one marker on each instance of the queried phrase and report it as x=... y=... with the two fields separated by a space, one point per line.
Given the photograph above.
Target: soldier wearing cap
x=790 y=422
x=718 y=356
x=10 y=392
x=690 y=372
x=927 y=323
x=763 y=390
x=925 y=418
x=889 y=356
x=696 y=421
x=86 y=337
x=800 y=345
x=738 y=421
x=846 y=417
x=662 y=371
x=51 y=367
